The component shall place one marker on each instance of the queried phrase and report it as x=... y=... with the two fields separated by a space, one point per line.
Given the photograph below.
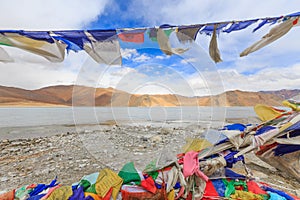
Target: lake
x=40 y=116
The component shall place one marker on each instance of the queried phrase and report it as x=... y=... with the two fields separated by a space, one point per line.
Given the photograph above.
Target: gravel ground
x=72 y=152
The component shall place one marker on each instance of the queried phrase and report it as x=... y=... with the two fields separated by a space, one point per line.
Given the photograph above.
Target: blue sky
x=117 y=15
x=145 y=68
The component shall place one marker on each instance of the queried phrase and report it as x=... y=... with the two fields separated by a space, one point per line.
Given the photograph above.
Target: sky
x=145 y=68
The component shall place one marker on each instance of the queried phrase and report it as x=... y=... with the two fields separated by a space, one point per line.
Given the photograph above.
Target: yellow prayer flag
x=108 y=179
x=195 y=144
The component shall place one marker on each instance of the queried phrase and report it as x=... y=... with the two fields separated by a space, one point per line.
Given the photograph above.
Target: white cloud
x=193 y=12
x=159 y=79
x=31 y=71
x=265 y=79
x=113 y=75
x=49 y=15
x=128 y=53
x=189 y=60
x=160 y=57
x=141 y=58
x=34 y=76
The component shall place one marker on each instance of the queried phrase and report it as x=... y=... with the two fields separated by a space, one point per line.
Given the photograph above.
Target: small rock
x=51 y=161
x=26 y=150
x=3 y=179
x=156 y=139
x=165 y=131
x=49 y=158
x=51 y=169
x=138 y=153
x=95 y=165
x=15 y=149
x=82 y=165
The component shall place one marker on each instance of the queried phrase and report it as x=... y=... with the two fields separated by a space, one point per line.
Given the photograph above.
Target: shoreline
x=28 y=105
x=40 y=131
x=35 y=131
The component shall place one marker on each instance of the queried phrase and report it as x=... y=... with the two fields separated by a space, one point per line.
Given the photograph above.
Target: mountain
x=285 y=94
x=244 y=98
x=69 y=95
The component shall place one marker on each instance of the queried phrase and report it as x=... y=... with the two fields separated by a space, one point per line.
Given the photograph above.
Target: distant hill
x=68 y=95
x=244 y=98
x=285 y=94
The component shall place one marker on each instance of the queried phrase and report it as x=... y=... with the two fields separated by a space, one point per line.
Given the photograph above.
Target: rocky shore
x=73 y=152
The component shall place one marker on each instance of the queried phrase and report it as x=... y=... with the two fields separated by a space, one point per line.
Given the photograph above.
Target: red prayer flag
x=136 y=37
